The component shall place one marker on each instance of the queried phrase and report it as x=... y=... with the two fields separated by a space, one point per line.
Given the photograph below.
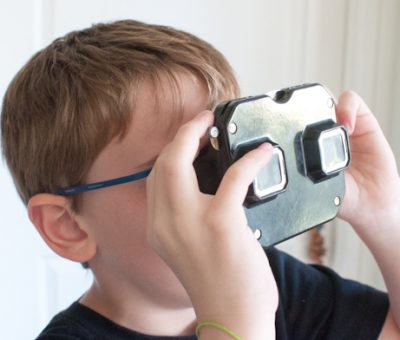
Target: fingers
x=176 y=177
x=346 y=110
x=177 y=158
x=173 y=170
x=187 y=140
x=234 y=186
x=351 y=109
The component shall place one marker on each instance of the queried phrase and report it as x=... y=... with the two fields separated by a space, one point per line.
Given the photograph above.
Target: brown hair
x=71 y=98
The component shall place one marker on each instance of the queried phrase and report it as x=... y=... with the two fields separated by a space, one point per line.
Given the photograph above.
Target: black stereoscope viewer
x=303 y=185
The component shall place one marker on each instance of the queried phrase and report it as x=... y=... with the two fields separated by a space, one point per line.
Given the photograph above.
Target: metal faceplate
x=281 y=117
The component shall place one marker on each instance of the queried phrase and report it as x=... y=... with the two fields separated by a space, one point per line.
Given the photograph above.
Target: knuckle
x=235 y=173
x=186 y=130
x=215 y=225
x=162 y=156
x=350 y=95
x=168 y=165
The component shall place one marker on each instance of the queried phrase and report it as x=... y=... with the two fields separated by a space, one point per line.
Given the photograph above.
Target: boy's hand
x=372 y=180
x=372 y=200
x=205 y=239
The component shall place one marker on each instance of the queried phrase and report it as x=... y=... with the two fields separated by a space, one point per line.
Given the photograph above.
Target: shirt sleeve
x=316 y=303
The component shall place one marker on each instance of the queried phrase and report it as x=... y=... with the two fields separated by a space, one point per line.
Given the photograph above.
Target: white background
x=342 y=43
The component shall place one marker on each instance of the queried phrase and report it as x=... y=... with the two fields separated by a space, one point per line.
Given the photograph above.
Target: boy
x=120 y=98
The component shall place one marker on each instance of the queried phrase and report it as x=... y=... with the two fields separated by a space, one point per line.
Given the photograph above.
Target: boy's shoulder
x=71 y=323
x=79 y=322
x=317 y=303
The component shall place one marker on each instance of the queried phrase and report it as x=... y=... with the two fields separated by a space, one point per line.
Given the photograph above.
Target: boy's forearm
x=384 y=243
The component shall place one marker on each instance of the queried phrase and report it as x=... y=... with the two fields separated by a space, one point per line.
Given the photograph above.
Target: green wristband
x=217 y=326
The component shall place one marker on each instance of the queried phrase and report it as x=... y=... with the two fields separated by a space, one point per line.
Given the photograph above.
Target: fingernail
x=347 y=125
x=265 y=146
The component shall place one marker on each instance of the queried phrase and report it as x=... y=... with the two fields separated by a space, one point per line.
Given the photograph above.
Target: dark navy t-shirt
x=314 y=303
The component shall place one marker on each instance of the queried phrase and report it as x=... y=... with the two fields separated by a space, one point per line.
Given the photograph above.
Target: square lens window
x=333 y=150
x=272 y=178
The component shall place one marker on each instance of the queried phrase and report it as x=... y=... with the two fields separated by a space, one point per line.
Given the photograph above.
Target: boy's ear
x=59 y=227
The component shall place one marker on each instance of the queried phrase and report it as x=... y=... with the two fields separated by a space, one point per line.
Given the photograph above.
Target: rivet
x=257 y=233
x=213 y=132
x=337 y=201
x=232 y=128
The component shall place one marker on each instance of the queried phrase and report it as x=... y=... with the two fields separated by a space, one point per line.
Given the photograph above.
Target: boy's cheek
x=117 y=216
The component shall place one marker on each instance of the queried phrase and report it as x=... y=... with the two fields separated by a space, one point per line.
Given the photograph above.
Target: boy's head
x=98 y=104
x=73 y=97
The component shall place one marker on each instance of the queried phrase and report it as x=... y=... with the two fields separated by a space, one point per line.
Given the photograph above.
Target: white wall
x=342 y=43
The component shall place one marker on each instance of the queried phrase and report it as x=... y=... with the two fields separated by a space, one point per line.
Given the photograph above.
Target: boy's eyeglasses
x=103 y=184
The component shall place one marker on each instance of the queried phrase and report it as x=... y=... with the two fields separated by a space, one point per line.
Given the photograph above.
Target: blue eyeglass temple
x=98 y=185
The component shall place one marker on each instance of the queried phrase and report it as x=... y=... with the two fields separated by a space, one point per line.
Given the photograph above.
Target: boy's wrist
x=229 y=327
x=381 y=230
x=246 y=320
x=378 y=223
